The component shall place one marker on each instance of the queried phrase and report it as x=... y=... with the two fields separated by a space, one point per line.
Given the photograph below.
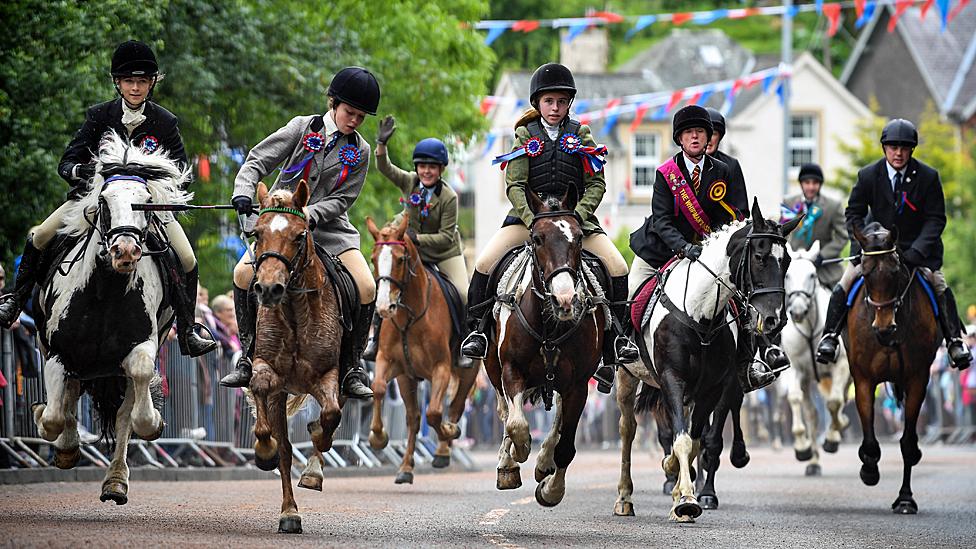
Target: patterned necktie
x=696 y=179
x=332 y=142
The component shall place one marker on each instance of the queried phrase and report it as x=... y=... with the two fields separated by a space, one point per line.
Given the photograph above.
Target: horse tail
x=649 y=400
x=107 y=395
x=295 y=404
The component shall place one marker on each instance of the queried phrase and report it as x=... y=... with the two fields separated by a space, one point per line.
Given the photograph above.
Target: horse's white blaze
x=565 y=228
x=777 y=250
x=563 y=288
x=278 y=223
x=385 y=267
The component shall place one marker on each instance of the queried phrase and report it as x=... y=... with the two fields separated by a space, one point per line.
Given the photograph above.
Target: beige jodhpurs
x=457 y=271
x=515 y=235
x=937 y=278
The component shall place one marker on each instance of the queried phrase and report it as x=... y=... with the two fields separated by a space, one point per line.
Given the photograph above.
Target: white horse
x=102 y=321
x=807 y=305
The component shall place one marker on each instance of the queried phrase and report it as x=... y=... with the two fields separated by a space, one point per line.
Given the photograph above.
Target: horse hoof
x=157 y=433
x=67 y=459
x=813 y=470
x=540 y=474
x=870 y=474
x=508 y=478
x=310 y=482
x=669 y=487
x=708 y=502
x=115 y=491
x=623 y=509
x=378 y=442
x=904 y=507
x=269 y=464
x=290 y=524
x=805 y=454
x=688 y=507
x=831 y=446
x=542 y=500
x=739 y=460
x=403 y=477
x=441 y=462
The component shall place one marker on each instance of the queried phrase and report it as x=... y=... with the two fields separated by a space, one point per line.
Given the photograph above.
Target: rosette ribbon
x=593 y=158
x=349 y=156
x=149 y=144
x=532 y=148
x=313 y=143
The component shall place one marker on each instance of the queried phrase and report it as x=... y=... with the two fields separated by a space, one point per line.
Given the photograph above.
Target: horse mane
x=116 y=156
x=281 y=198
x=717 y=242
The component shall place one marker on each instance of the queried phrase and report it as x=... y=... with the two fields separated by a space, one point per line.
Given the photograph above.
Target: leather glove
x=818 y=262
x=84 y=172
x=912 y=258
x=692 y=251
x=386 y=128
x=412 y=234
x=242 y=204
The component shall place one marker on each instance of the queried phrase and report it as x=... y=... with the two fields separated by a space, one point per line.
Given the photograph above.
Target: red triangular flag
x=925 y=8
x=832 y=11
x=638 y=117
x=681 y=18
x=675 y=97
x=900 y=7
x=609 y=16
x=859 y=8
x=486 y=105
x=695 y=99
x=955 y=11
x=525 y=25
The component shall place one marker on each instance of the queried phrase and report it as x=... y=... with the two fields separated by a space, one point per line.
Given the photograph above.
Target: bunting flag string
x=863 y=12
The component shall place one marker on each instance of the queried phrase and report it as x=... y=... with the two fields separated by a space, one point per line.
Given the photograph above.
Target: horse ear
x=371 y=227
x=535 y=203
x=792 y=253
x=814 y=250
x=859 y=236
x=571 y=198
x=757 y=215
x=263 y=198
x=404 y=223
x=299 y=199
x=893 y=235
x=788 y=227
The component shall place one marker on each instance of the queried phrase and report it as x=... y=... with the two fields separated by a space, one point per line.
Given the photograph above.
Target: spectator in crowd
x=226 y=324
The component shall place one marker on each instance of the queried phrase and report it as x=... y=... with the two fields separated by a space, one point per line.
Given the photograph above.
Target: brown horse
x=415 y=343
x=550 y=331
x=297 y=342
x=892 y=335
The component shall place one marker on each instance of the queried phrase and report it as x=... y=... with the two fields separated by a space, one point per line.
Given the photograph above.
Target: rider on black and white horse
x=906 y=195
x=147 y=125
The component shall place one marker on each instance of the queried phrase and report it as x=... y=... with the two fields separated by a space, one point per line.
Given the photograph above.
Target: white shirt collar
x=133 y=118
x=553 y=131
x=330 y=125
x=892 y=171
x=691 y=167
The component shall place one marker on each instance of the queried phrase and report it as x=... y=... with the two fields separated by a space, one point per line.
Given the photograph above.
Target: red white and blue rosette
x=311 y=142
x=532 y=148
x=593 y=158
x=349 y=157
x=149 y=144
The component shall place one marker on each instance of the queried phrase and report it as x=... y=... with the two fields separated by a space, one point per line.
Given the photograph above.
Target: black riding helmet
x=810 y=171
x=691 y=116
x=357 y=87
x=718 y=121
x=134 y=58
x=548 y=78
x=899 y=132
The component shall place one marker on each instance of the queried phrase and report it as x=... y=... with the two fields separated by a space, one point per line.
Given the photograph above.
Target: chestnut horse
x=550 y=331
x=892 y=335
x=415 y=343
x=297 y=342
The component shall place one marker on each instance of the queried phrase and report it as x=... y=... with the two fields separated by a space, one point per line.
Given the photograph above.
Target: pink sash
x=684 y=198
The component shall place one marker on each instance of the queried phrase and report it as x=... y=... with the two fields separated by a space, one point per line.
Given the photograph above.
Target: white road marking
x=492 y=517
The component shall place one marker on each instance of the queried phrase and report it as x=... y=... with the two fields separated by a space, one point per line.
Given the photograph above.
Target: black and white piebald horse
x=691 y=346
x=103 y=313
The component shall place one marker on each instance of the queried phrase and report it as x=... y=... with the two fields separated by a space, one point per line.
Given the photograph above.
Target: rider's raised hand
x=692 y=251
x=242 y=204
x=386 y=128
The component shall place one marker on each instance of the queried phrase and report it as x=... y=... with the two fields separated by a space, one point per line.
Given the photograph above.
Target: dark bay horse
x=690 y=348
x=297 y=342
x=892 y=335
x=103 y=314
x=415 y=343
x=549 y=324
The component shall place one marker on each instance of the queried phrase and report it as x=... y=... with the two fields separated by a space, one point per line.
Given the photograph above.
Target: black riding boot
x=475 y=346
x=836 y=317
x=774 y=356
x=623 y=346
x=373 y=344
x=952 y=331
x=191 y=344
x=355 y=380
x=27 y=275
x=752 y=374
x=247 y=318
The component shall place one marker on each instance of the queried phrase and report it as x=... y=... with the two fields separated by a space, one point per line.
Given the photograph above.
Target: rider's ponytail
x=529 y=115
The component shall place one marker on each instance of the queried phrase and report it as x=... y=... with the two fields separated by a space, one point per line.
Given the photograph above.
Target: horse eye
x=537 y=240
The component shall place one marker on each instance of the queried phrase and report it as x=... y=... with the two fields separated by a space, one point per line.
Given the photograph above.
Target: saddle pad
x=926 y=285
x=645 y=294
x=451 y=295
x=344 y=286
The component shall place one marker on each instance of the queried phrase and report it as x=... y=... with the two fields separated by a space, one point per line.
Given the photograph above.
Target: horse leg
x=713 y=451
x=49 y=417
x=507 y=476
x=665 y=437
x=289 y=522
x=115 y=487
x=739 y=456
x=517 y=426
x=321 y=430
x=551 y=489
x=685 y=507
x=378 y=438
x=798 y=394
x=840 y=379
x=870 y=450
x=910 y=452
x=408 y=392
x=67 y=450
x=465 y=380
x=264 y=383
x=813 y=420
x=313 y=474
x=446 y=431
x=545 y=463
x=626 y=399
x=139 y=366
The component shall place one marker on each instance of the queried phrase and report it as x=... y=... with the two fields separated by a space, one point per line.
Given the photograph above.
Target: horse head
x=394 y=261
x=758 y=261
x=886 y=279
x=283 y=242
x=123 y=231
x=556 y=238
x=802 y=282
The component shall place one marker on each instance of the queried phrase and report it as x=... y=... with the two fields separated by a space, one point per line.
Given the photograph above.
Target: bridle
x=542 y=284
x=294 y=265
x=108 y=234
x=896 y=301
x=412 y=315
x=744 y=275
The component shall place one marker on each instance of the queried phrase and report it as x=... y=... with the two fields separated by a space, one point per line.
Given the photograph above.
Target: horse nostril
x=277 y=290
x=259 y=289
x=771 y=321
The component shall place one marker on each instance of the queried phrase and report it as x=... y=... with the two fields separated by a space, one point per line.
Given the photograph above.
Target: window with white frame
x=645 y=157
x=804 y=131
